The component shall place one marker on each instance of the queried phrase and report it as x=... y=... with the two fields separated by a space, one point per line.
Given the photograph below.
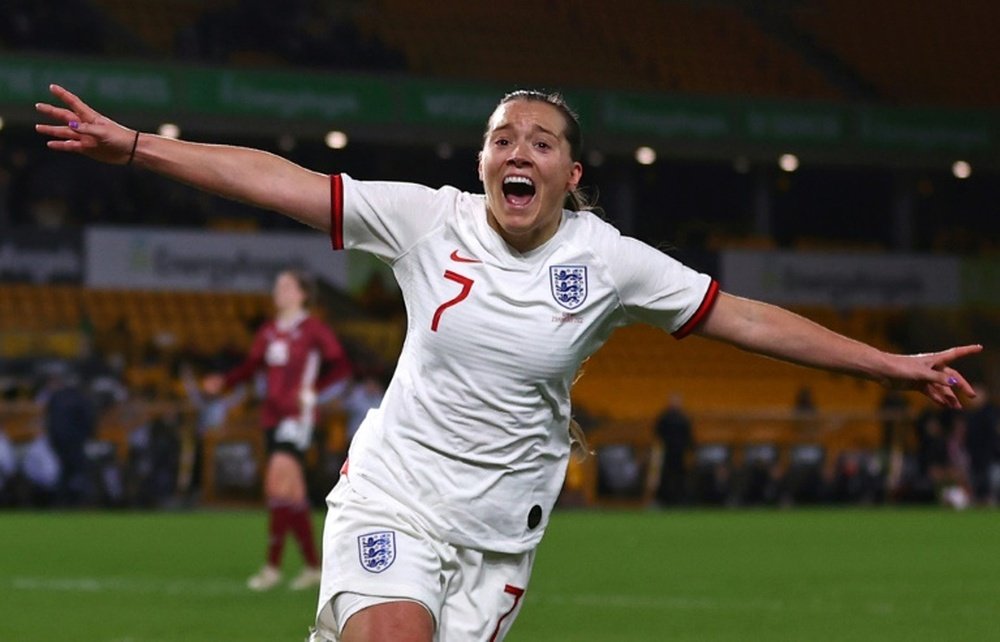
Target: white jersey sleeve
x=653 y=287
x=381 y=217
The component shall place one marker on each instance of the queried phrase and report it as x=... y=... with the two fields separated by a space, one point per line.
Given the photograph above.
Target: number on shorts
x=517 y=593
x=466 y=283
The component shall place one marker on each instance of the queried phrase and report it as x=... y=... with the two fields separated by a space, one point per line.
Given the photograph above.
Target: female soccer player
x=299 y=355
x=432 y=528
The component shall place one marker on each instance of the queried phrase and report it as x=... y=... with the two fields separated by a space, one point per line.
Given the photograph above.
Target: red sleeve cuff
x=336 y=211
x=699 y=315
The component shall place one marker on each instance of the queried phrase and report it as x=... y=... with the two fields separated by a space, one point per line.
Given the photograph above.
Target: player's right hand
x=84 y=130
x=213 y=384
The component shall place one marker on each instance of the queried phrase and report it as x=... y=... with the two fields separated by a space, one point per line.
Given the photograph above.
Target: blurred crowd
x=926 y=455
x=90 y=441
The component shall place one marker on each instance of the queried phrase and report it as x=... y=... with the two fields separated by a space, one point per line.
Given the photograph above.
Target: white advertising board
x=147 y=258
x=842 y=279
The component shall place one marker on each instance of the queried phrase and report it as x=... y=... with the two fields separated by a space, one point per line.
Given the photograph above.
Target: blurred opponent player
x=299 y=355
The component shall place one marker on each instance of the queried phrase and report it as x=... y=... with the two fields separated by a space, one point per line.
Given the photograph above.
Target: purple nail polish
x=73 y=124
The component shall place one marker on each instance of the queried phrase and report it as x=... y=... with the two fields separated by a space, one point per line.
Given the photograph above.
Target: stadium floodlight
x=645 y=155
x=961 y=169
x=788 y=162
x=169 y=130
x=336 y=139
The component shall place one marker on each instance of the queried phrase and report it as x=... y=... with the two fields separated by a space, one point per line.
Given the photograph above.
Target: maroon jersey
x=300 y=358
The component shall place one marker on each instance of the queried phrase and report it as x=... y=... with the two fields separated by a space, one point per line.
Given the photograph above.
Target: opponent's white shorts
x=294 y=431
x=375 y=550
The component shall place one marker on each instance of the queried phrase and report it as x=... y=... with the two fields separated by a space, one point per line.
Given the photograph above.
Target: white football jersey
x=472 y=433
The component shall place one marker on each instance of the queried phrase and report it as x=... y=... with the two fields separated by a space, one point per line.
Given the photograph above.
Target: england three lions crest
x=377 y=551
x=569 y=285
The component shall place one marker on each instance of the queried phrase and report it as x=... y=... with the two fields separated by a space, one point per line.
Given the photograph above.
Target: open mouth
x=518 y=190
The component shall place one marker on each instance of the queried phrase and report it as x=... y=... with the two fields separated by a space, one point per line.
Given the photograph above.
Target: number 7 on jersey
x=466 y=284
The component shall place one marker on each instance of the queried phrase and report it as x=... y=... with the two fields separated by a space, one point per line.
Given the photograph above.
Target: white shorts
x=375 y=550
x=294 y=431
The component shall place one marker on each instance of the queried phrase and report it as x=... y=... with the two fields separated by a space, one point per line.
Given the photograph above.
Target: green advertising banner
x=173 y=91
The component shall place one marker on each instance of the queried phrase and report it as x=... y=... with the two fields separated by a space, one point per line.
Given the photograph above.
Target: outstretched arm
x=251 y=176
x=776 y=332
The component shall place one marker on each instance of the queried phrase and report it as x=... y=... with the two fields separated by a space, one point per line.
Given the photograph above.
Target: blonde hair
x=578 y=445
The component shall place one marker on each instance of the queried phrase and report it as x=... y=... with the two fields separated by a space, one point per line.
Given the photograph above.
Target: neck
x=287 y=316
x=528 y=239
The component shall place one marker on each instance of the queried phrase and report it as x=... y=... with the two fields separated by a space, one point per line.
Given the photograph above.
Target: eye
x=501 y=142
x=543 y=145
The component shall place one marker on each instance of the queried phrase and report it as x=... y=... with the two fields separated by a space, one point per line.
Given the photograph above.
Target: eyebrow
x=534 y=127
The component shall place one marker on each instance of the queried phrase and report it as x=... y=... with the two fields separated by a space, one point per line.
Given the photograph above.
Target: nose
x=518 y=157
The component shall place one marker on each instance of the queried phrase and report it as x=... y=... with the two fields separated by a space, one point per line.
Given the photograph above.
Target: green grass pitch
x=835 y=574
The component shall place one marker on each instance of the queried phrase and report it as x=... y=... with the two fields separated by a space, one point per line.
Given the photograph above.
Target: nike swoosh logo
x=462 y=259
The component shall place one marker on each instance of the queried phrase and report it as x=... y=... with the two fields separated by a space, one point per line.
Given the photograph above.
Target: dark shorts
x=272 y=446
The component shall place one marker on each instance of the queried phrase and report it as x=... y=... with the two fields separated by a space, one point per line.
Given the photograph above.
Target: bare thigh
x=403 y=621
x=284 y=479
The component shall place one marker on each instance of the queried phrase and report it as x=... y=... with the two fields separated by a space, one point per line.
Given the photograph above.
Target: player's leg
x=400 y=621
x=286 y=490
x=279 y=510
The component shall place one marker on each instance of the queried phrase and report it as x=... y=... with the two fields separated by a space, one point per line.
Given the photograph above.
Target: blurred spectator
x=982 y=440
x=619 y=473
x=8 y=466
x=106 y=385
x=70 y=420
x=858 y=477
x=894 y=408
x=212 y=413
x=803 y=480
x=805 y=406
x=757 y=479
x=154 y=459
x=805 y=412
x=941 y=456
x=41 y=470
x=673 y=427
x=712 y=473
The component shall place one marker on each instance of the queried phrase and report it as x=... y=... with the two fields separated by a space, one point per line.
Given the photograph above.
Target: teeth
x=524 y=180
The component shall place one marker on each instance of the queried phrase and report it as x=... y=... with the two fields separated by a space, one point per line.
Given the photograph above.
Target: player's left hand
x=931 y=374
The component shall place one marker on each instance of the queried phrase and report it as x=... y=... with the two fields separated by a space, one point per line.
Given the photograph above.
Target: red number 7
x=466 y=288
x=517 y=592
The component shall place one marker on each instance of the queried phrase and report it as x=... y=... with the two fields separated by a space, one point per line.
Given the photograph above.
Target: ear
x=479 y=165
x=575 y=174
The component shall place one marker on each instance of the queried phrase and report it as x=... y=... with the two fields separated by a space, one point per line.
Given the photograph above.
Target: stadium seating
x=157 y=23
x=936 y=52
x=678 y=47
x=632 y=376
x=930 y=52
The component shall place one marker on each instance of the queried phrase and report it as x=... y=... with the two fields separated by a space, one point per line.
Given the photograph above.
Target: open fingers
x=943 y=395
x=954 y=380
x=58 y=131
x=949 y=355
x=71 y=100
x=948 y=376
x=56 y=113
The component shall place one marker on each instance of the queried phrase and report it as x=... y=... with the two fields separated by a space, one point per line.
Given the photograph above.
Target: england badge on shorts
x=569 y=285
x=377 y=551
